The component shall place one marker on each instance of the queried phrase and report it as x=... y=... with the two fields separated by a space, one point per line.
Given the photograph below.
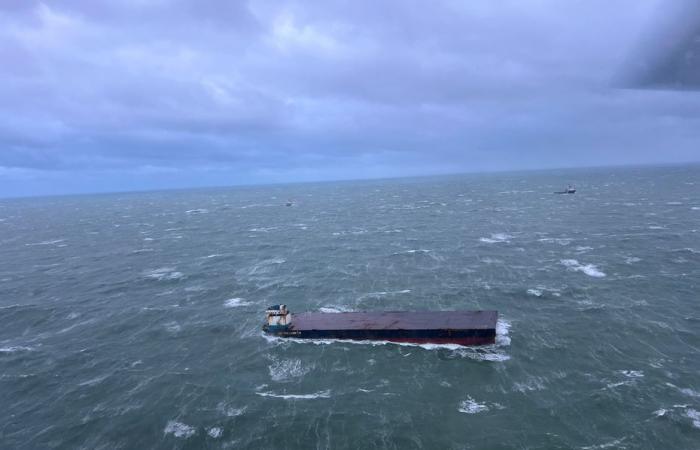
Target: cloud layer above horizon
x=142 y=94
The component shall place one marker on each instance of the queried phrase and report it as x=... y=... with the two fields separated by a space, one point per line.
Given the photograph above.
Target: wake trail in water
x=320 y=394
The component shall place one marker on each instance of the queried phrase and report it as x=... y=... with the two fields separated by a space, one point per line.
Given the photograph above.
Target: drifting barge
x=418 y=327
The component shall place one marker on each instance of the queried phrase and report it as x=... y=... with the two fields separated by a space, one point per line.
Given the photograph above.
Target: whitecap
x=230 y=411
x=532 y=384
x=502 y=333
x=614 y=385
x=489 y=260
x=488 y=353
x=164 y=274
x=589 y=269
x=235 y=302
x=94 y=381
x=55 y=241
x=496 y=238
x=560 y=241
x=173 y=327
x=285 y=369
x=334 y=309
x=612 y=444
x=470 y=406
x=215 y=432
x=689 y=392
x=535 y=292
x=660 y=412
x=353 y=232
x=632 y=373
x=384 y=293
x=15 y=349
x=694 y=416
x=197 y=211
x=75 y=325
x=179 y=429
x=320 y=394
x=195 y=288
x=264 y=266
x=631 y=259
x=685 y=391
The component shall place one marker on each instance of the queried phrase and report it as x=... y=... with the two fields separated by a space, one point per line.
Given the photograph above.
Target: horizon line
x=369 y=178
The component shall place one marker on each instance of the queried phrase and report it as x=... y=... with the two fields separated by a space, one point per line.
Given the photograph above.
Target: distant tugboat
x=569 y=190
x=418 y=327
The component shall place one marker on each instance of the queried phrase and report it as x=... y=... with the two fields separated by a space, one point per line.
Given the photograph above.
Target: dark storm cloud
x=668 y=56
x=174 y=93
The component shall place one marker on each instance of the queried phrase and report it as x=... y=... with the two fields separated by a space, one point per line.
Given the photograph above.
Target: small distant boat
x=289 y=203
x=568 y=190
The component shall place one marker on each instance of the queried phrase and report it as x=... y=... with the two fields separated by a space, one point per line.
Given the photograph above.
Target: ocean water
x=133 y=320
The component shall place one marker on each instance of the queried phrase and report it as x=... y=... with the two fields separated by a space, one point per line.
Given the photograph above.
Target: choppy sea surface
x=133 y=320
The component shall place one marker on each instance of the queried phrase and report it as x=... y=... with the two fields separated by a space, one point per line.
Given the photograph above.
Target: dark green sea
x=133 y=320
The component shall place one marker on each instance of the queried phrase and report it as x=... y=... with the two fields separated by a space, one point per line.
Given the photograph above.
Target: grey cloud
x=259 y=91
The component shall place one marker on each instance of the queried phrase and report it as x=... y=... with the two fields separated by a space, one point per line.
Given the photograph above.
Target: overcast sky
x=145 y=94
